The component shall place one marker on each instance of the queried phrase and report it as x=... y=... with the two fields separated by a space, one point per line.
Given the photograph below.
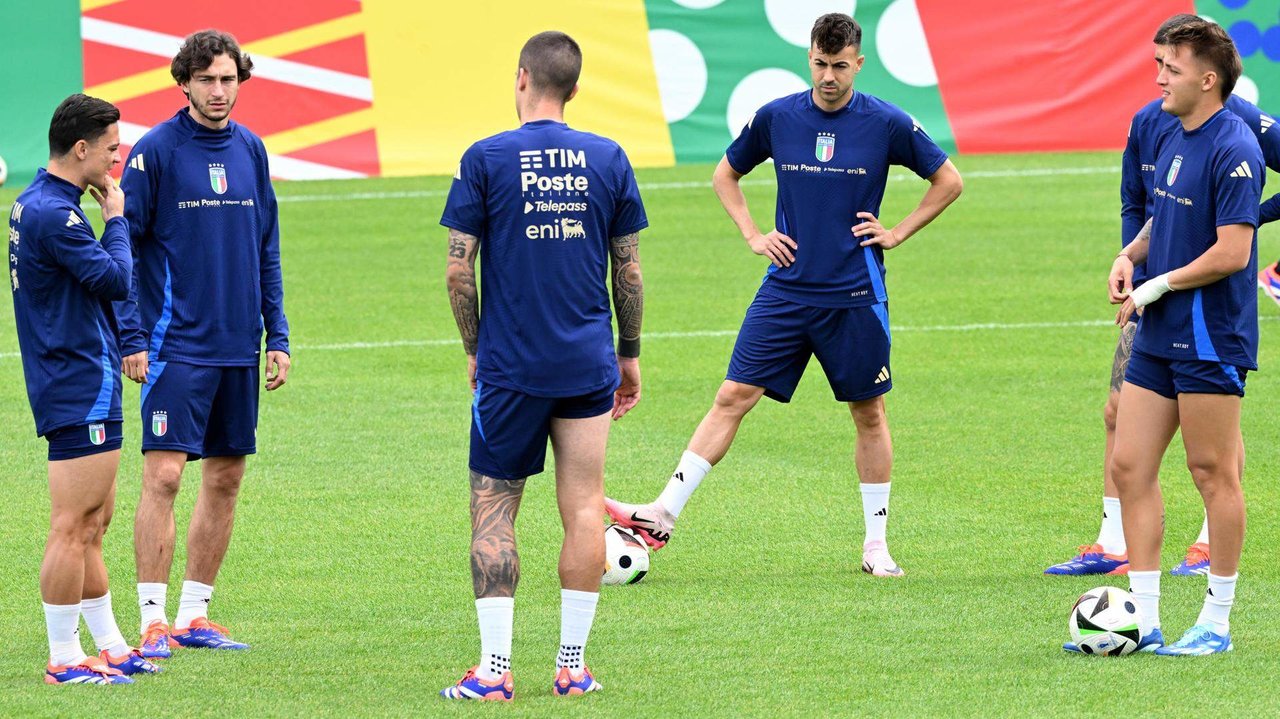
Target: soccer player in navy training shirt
x=824 y=294
x=1150 y=129
x=549 y=209
x=203 y=219
x=1198 y=335
x=63 y=282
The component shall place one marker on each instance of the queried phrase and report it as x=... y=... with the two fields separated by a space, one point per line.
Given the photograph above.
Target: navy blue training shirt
x=203 y=218
x=63 y=282
x=1205 y=179
x=1151 y=127
x=544 y=201
x=830 y=167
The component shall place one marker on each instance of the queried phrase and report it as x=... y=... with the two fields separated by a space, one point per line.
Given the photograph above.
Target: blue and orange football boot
x=473 y=687
x=1092 y=560
x=1148 y=644
x=1269 y=282
x=1195 y=564
x=568 y=683
x=1199 y=641
x=156 y=643
x=92 y=670
x=130 y=663
x=204 y=634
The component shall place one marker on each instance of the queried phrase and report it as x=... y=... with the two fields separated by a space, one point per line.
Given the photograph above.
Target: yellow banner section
x=444 y=76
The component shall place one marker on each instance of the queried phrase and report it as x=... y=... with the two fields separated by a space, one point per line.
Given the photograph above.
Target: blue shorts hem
x=773 y=394
x=882 y=390
x=59 y=456
x=505 y=476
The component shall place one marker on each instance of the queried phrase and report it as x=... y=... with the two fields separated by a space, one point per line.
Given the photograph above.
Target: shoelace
x=1195 y=555
x=1203 y=634
x=153 y=635
x=1088 y=550
x=206 y=624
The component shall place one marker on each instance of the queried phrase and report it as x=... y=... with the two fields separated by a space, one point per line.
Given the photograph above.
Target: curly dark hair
x=199 y=50
x=835 y=31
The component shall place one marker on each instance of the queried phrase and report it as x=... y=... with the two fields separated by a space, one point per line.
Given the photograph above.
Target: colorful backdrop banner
x=348 y=89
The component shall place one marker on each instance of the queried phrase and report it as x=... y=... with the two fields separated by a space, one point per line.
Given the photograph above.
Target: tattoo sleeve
x=495 y=565
x=628 y=292
x=464 y=297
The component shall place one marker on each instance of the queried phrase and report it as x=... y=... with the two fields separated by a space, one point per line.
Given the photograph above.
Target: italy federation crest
x=218 y=179
x=97 y=434
x=826 y=147
x=159 y=423
x=1173 y=170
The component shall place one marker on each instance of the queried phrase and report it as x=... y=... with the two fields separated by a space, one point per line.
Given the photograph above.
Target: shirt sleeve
x=753 y=145
x=103 y=268
x=1238 y=175
x=139 y=184
x=1133 y=189
x=911 y=147
x=271 y=279
x=628 y=215
x=465 y=210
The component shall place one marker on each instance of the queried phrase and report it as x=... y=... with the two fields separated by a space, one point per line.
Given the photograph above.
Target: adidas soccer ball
x=4 y=172
x=1104 y=621
x=626 y=559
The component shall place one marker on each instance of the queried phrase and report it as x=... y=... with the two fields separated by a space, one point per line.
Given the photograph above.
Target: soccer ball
x=626 y=559
x=4 y=172
x=1104 y=621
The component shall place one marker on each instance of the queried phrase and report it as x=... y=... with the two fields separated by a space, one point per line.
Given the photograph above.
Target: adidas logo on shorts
x=883 y=376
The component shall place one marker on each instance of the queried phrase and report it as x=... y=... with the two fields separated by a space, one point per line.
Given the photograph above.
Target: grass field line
x=691 y=184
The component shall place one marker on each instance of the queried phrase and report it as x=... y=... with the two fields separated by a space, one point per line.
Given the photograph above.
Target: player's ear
x=1209 y=81
x=81 y=149
x=572 y=93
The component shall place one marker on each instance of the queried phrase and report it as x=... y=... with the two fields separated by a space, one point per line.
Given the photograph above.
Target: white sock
x=1217 y=603
x=684 y=480
x=151 y=601
x=577 y=611
x=62 y=622
x=194 y=603
x=496 y=615
x=1111 y=536
x=1145 y=588
x=875 y=510
x=102 y=625
x=1204 y=532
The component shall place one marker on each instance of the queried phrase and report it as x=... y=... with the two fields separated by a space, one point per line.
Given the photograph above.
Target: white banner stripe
x=286 y=71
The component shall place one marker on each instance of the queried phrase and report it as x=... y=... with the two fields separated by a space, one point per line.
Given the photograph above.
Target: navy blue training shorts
x=510 y=429
x=84 y=439
x=1170 y=378
x=203 y=411
x=779 y=336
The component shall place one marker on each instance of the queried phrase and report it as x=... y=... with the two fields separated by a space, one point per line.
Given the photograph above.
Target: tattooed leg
x=1124 y=347
x=495 y=565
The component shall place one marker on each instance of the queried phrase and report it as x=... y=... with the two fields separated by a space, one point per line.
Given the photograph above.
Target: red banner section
x=1043 y=76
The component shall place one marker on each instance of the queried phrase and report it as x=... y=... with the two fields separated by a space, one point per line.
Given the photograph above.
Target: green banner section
x=718 y=62
x=1255 y=27
x=40 y=64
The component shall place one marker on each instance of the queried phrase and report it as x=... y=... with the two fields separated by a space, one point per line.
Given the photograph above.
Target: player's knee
x=1212 y=474
x=163 y=482
x=737 y=398
x=224 y=483
x=1110 y=411
x=869 y=415
x=75 y=529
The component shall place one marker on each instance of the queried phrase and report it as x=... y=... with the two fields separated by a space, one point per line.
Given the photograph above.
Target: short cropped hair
x=554 y=62
x=1209 y=42
x=1162 y=33
x=79 y=117
x=833 y=32
x=199 y=50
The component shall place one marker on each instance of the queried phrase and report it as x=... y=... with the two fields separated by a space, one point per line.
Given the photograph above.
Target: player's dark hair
x=199 y=50
x=554 y=62
x=1177 y=21
x=833 y=32
x=79 y=117
x=1209 y=42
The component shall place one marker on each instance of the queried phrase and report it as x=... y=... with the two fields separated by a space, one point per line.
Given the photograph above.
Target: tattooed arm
x=460 y=277
x=495 y=564
x=628 y=305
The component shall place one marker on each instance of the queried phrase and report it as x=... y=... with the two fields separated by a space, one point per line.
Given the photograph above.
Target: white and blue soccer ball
x=626 y=558
x=4 y=172
x=1105 y=621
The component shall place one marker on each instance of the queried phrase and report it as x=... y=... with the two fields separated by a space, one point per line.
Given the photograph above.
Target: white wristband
x=1151 y=290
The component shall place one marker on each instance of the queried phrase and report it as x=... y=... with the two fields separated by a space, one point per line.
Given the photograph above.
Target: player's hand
x=110 y=197
x=471 y=371
x=277 y=369
x=1126 y=311
x=776 y=246
x=874 y=232
x=135 y=367
x=1120 y=283
x=628 y=393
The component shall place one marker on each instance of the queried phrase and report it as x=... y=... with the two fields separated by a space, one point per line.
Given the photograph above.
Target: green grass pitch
x=348 y=571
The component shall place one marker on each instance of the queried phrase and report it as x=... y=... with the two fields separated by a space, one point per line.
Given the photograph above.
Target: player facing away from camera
x=63 y=283
x=1198 y=335
x=1150 y=129
x=202 y=213
x=824 y=294
x=552 y=212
